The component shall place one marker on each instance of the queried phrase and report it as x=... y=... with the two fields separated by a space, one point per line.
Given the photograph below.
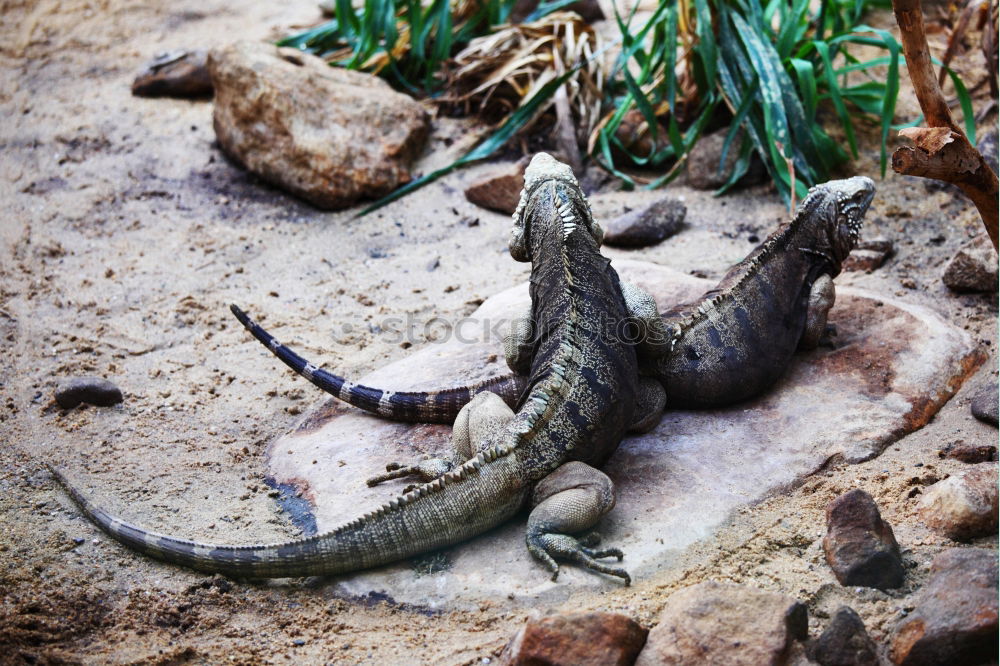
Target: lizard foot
x=827 y=339
x=425 y=470
x=549 y=547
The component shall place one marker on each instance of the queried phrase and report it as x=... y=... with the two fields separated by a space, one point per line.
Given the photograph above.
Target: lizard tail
x=442 y=512
x=410 y=406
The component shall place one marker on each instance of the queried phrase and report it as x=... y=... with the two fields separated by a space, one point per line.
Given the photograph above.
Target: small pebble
x=985 y=406
x=91 y=390
x=973 y=268
x=647 y=225
x=859 y=545
x=844 y=642
x=969 y=453
x=963 y=506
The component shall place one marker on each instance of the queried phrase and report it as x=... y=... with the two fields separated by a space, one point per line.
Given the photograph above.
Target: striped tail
x=467 y=501
x=440 y=406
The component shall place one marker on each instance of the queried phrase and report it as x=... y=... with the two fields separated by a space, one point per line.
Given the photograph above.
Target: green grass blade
x=670 y=58
x=740 y=167
x=806 y=77
x=705 y=48
x=645 y=108
x=738 y=119
x=965 y=102
x=775 y=119
x=834 y=91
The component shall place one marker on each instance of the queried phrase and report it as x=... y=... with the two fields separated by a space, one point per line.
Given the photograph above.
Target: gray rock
x=716 y=623
x=91 y=390
x=860 y=547
x=985 y=402
x=647 y=225
x=576 y=639
x=963 y=506
x=326 y=134
x=703 y=162
x=499 y=190
x=897 y=365
x=955 y=618
x=973 y=268
x=178 y=73
x=844 y=642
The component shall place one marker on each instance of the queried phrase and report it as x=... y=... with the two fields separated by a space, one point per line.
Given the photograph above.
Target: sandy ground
x=125 y=235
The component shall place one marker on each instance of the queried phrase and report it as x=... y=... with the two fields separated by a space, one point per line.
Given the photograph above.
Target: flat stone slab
x=894 y=365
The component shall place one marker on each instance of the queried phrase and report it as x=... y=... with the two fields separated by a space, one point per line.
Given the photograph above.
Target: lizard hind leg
x=650 y=403
x=484 y=415
x=569 y=501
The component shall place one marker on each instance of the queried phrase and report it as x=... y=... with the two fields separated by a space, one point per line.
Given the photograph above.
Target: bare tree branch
x=942 y=151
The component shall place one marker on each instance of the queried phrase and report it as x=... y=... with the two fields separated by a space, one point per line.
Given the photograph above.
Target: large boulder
x=894 y=366
x=326 y=134
x=955 y=619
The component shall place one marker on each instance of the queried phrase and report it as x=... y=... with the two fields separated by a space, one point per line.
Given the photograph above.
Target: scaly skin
x=738 y=339
x=408 y=406
x=729 y=345
x=580 y=401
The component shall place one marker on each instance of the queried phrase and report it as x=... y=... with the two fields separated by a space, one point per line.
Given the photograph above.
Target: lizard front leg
x=518 y=344
x=653 y=342
x=650 y=402
x=821 y=298
x=653 y=338
x=568 y=501
x=484 y=415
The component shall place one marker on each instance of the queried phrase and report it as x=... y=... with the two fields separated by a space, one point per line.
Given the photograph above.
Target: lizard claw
x=548 y=547
x=425 y=470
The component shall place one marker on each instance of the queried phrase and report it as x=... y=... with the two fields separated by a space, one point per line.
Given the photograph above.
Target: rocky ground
x=127 y=234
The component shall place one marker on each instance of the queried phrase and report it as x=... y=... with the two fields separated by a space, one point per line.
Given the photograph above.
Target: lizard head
x=551 y=202
x=836 y=209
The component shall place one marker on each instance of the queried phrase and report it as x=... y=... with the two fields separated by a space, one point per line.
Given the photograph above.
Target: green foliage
x=773 y=65
x=404 y=40
x=776 y=66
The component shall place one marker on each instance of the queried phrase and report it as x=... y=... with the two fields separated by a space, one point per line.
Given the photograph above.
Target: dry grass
x=496 y=73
